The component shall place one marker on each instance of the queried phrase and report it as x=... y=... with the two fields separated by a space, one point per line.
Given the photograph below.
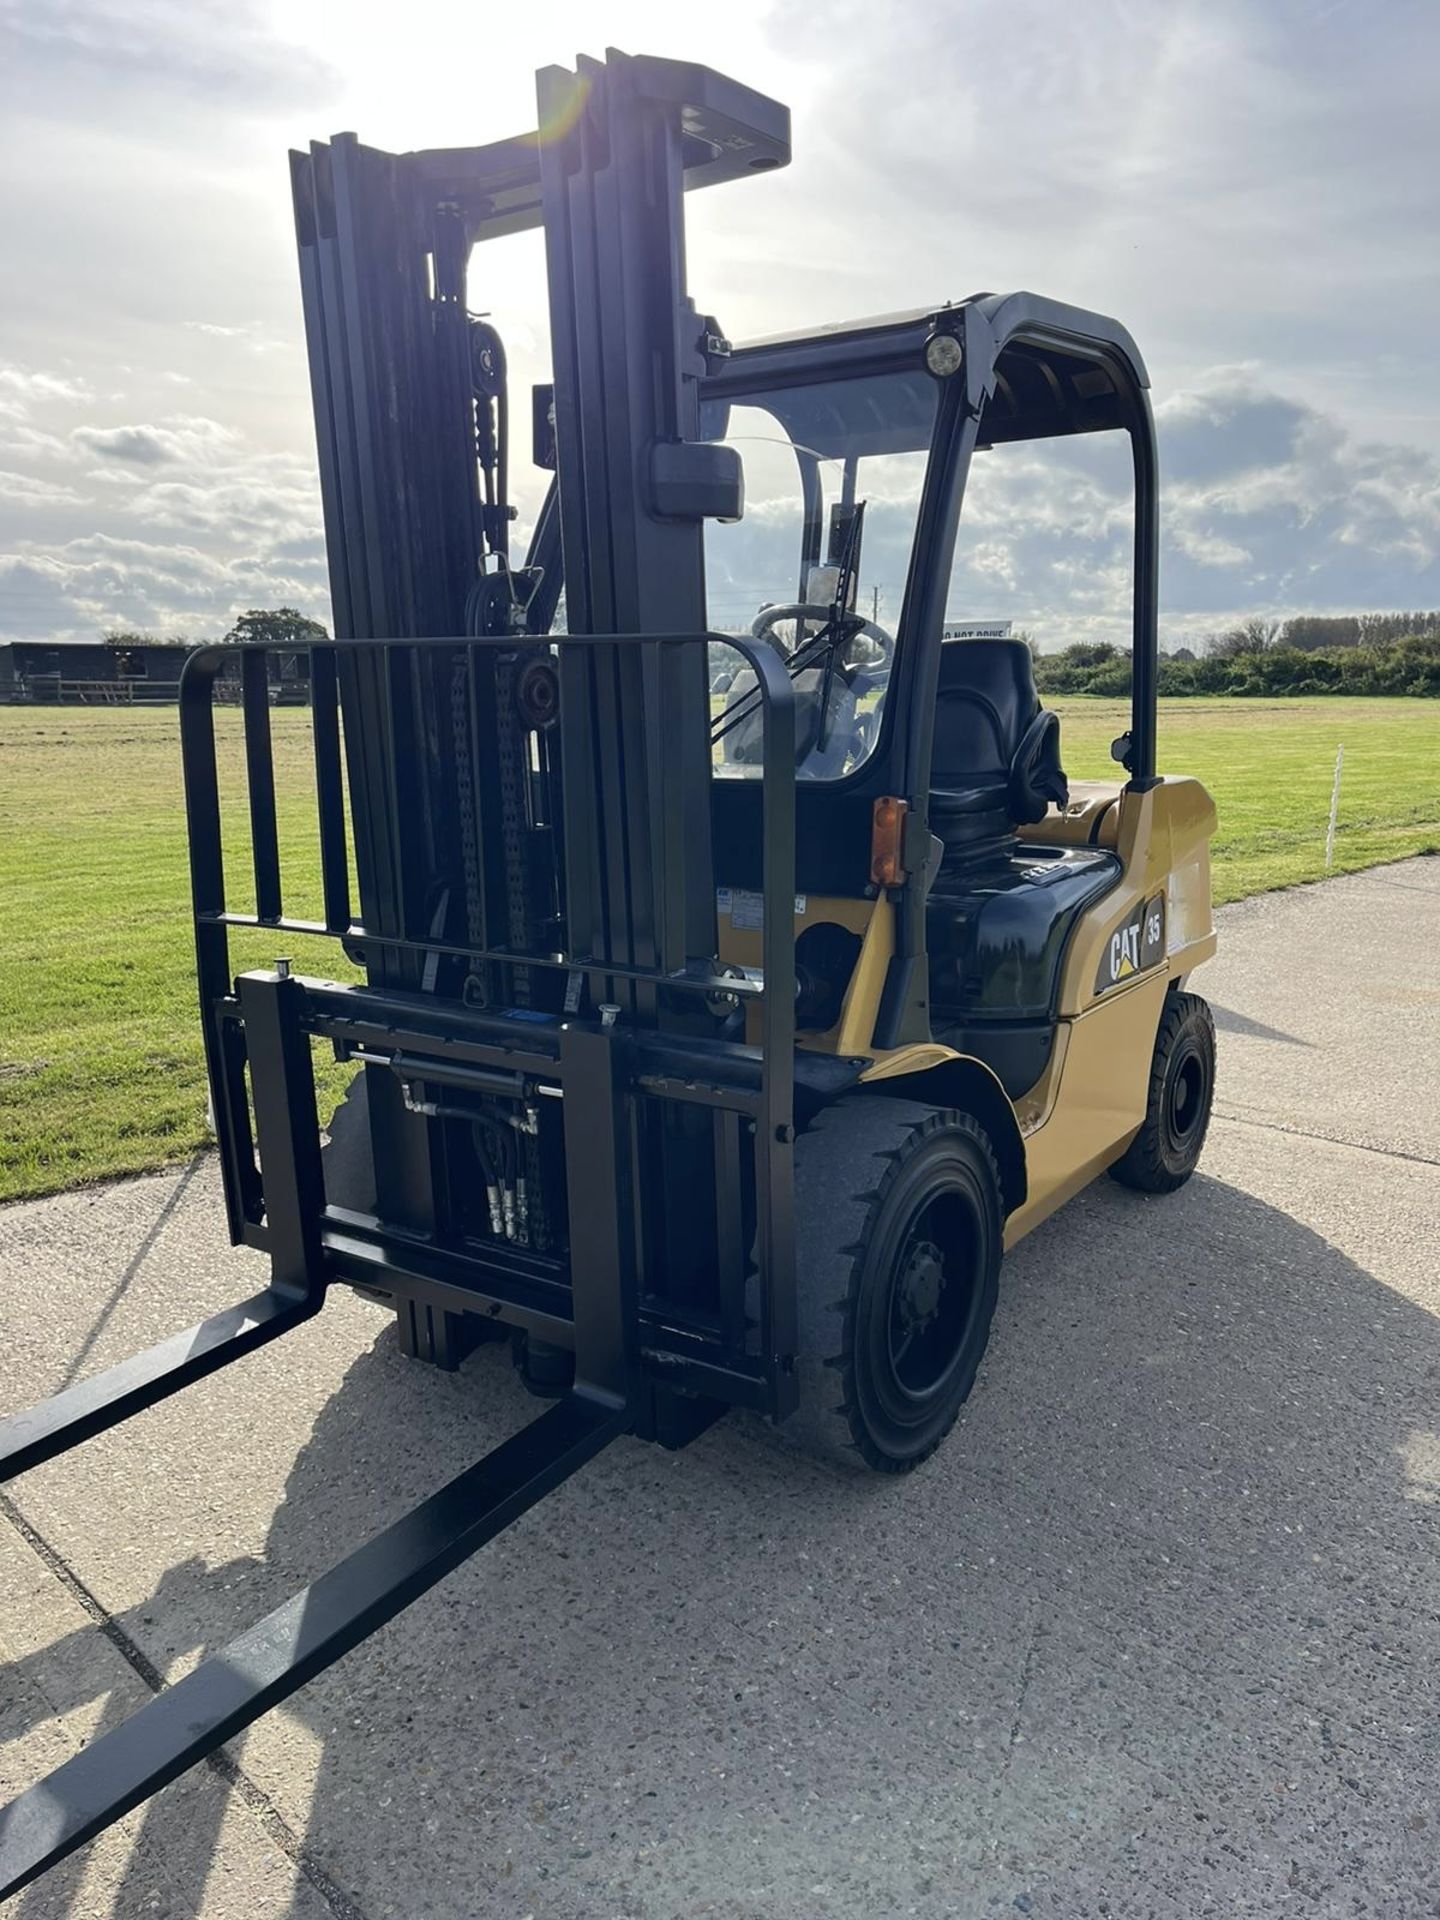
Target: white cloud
x=180 y=525
x=1210 y=549
x=1268 y=507
x=85 y=585
x=252 y=335
x=215 y=49
x=1243 y=181
x=25 y=489
x=142 y=445
x=183 y=440
x=22 y=386
x=33 y=444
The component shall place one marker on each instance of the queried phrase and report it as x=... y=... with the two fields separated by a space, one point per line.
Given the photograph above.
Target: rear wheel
x=1164 y=1153
x=898 y=1236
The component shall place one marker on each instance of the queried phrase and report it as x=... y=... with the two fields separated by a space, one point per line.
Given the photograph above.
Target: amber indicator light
x=886 y=868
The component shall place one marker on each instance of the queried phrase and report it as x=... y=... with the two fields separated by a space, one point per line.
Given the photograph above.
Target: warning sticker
x=746 y=910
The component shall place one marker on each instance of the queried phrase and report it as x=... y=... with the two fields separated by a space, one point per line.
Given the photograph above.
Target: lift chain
x=465 y=806
x=512 y=820
x=539 y=1214
x=513 y=829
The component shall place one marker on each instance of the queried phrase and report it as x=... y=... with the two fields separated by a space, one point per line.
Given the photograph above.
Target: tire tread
x=856 y=1149
x=1142 y=1165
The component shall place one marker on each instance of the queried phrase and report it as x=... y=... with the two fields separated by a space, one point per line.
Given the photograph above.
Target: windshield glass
x=817 y=566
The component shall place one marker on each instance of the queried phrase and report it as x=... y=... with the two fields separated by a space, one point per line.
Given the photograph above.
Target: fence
x=48 y=689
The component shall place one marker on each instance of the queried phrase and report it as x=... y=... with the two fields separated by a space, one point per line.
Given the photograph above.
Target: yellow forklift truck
x=730 y=999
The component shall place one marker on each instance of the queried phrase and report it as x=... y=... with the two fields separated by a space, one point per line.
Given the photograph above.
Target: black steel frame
x=263 y=1030
x=989 y=327
x=258 y=1030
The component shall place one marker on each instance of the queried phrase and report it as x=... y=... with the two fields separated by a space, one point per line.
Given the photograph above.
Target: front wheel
x=1164 y=1153
x=899 y=1228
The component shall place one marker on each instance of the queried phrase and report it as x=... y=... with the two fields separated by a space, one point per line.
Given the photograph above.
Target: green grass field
x=100 y=1063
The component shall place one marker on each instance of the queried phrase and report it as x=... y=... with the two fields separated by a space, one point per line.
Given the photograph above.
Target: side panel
x=1087 y=1108
x=1098 y=1101
x=1163 y=837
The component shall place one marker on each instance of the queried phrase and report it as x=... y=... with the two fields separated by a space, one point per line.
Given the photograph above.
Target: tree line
x=1368 y=653
x=260 y=626
x=1352 y=653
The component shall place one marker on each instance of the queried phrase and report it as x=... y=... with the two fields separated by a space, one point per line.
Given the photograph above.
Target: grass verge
x=100 y=1063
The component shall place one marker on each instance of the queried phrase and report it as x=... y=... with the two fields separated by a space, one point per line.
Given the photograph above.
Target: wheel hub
x=1185 y=1103
x=921 y=1282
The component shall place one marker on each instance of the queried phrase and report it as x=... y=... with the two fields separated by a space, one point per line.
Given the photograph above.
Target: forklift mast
x=538 y=952
x=468 y=840
x=465 y=830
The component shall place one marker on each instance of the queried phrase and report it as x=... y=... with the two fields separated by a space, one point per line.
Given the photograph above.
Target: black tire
x=899 y=1227
x=1164 y=1153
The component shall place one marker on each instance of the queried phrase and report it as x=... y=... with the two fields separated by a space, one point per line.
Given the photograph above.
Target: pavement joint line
x=1373 y=875
x=221 y=1762
x=1329 y=1139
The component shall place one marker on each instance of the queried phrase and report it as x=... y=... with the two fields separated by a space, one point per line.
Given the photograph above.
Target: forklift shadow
x=1228 y=1021
x=1209 y=1387
x=176 y=1836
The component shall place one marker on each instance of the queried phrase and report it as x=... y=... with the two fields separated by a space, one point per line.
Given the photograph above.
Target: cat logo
x=1133 y=946
x=1125 y=952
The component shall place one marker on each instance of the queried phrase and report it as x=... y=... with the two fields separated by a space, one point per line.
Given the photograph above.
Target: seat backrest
x=985 y=700
x=995 y=763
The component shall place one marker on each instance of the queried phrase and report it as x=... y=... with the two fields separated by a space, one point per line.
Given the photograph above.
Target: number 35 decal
x=1135 y=945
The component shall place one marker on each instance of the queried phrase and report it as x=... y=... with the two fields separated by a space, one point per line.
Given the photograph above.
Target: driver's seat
x=995 y=763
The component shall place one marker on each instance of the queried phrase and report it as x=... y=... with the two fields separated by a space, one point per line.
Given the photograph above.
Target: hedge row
x=1408 y=666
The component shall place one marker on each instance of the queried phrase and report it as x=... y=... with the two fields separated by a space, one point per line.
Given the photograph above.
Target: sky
x=1251 y=186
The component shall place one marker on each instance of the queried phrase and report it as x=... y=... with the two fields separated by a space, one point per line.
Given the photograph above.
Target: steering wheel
x=763 y=628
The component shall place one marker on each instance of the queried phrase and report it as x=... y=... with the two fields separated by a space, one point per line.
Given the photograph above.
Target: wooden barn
x=109 y=673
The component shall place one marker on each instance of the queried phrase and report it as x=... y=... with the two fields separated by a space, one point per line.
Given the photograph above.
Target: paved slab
x=1154 y=1635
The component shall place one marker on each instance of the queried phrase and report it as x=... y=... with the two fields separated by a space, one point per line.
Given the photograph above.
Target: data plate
x=746 y=910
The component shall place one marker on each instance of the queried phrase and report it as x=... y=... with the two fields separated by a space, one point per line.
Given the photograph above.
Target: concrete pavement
x=1155 y=1635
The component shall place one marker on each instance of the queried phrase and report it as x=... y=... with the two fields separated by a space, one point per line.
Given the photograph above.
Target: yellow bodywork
x=1090 y=1101
x=1088 y=1104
